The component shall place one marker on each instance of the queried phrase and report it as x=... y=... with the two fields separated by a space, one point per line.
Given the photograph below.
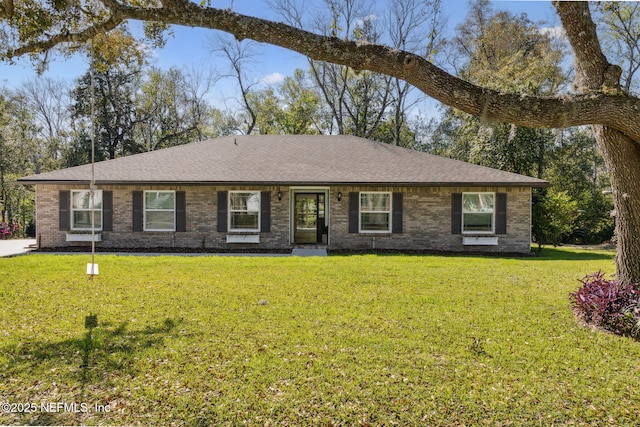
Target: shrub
x=608 y=304
x=9 y=230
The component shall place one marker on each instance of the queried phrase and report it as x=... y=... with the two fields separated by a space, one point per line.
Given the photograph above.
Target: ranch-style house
x=276 y=193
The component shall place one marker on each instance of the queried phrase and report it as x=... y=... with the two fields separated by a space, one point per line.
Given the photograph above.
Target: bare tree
x=408 y=22
x=620 y=23
x=49 y=104
x=241 y=55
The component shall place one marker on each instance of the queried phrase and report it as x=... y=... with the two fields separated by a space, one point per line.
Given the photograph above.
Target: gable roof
x=286 y=160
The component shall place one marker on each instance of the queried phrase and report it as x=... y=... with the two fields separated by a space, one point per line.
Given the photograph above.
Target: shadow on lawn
x=546 y=254
x=558 y=254
x=76 y=363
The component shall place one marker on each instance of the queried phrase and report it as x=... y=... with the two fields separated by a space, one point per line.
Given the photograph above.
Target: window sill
x=84 y=237
x=243 y=238
x=480 y=241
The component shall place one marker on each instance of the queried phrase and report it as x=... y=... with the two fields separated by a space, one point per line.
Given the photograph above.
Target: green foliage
x=507 y=147
x=575 y=164
x=266 y=106
x=78 y=151
x=366 y=102
x=17 y=144
x=117 y=49
x=170 y=110
x=576 y=167
x=509 y=53
x=379 y=340
x=136 y=110
x=291 y=108
x=506 y=53
x=302 y=106
x=595 y=221
x=391 y=132
x=111 y=90
x=554 y=214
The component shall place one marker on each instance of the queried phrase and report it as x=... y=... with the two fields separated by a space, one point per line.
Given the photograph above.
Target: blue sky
x=188 y=47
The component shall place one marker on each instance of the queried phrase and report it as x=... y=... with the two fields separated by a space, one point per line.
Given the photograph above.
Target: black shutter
x=396 y=214
x=137 y=211
x=265 y=211
x=456 y=213
x=354 y=212
x=181 y=211
x=64 y=210
x=107 y=211
x=501 y=213
x=222 y=211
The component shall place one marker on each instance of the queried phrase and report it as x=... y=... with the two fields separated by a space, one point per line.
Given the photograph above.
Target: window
x=375 y=212
x=244 y=211
x=81 y=210
x=159 y=210
x=477 y=212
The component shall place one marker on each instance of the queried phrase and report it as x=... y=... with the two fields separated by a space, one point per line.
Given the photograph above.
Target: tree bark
x=622 y=159
x=621 y=152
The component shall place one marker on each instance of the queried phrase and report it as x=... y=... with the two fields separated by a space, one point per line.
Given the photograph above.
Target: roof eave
x=541 y=184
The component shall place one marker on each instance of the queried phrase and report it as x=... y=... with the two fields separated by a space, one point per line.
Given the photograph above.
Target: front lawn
x=342 y=340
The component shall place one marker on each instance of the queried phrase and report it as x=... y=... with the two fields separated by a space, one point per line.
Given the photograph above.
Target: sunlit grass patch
x=422 y=340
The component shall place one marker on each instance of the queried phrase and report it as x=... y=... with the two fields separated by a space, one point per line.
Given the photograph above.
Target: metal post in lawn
x=91 y=320
x=92 y=268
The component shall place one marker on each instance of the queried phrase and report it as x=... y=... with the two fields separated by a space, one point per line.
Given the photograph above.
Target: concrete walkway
x=13 y=247
x=309 y=252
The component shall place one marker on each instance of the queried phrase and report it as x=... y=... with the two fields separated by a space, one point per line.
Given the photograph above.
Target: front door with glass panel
x=309 y=218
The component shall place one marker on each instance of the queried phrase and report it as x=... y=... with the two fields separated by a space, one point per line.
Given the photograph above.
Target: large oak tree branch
x=615 y=110
x=562 y=111
x=590 y=63
x=60 y=39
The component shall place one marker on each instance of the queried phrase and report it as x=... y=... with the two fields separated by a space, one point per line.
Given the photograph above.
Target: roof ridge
x=294 y=159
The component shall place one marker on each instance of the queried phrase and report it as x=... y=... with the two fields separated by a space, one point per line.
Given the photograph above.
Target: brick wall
x=426 y=220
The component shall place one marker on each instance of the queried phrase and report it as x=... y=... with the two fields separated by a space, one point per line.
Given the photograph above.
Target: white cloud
x=372 y=17
x=272 y=78
x=554 y=32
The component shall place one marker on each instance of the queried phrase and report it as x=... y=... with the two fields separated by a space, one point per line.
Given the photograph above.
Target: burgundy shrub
x=608 y=304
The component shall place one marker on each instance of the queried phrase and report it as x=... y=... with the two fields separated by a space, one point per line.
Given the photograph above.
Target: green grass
x=342 y=340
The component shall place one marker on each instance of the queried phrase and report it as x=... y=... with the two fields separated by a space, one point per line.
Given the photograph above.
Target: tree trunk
x=622 y=157
x=620 y=151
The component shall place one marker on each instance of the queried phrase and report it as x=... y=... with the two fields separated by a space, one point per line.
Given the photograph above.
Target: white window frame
x=361 y=211
x=493 y=213
x=145 y=210
x=92 y=208
x=230 y=212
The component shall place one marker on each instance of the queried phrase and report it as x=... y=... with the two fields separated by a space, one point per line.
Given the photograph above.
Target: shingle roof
x=286 y=160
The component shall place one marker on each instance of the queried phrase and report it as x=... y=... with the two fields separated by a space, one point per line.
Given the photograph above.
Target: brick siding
x=426 y=220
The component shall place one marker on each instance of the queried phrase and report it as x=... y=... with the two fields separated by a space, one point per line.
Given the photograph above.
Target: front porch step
x=309 y=251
